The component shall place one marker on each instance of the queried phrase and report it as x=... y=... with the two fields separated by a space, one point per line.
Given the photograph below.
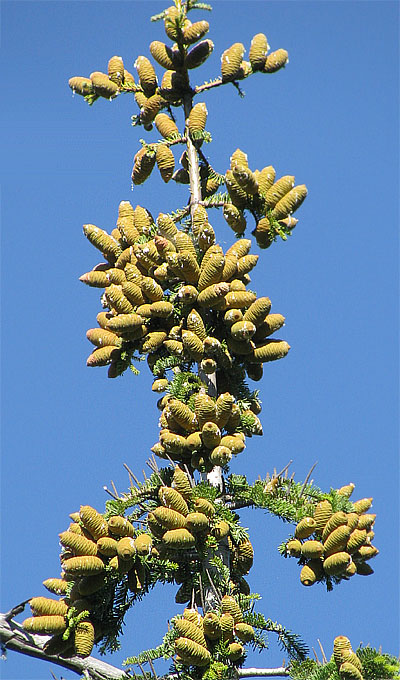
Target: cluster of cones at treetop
x=172 y=294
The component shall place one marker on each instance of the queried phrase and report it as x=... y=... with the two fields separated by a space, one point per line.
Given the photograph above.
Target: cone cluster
x=233 y=67
x=206 y=436
x=107 y=85
x=334 y=544
x=272 y=200
x=348 y=664
x=199 y=635
x=162 y=293
x=97 y=553
x=93 y=551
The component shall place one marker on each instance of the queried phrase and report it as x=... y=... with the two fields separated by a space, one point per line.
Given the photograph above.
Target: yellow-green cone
x=211 y=296
x=126 y=548
x=84 y=638
x=290 y=202
x=337 y=540
x=266 y=179
x=305 y=527
x=362 y=505
x=312 y=550
x=211 y=626
x=45 y=625
x=80 y=545
x=107 y=546
x=82 y=566
x=294 y=547
x=246 y=179
x=150 y=108
x=235 y=651
x=143 y=163
x=204 y=506
x=93 y=521
x=336 y=520
x=103 y=338
x=348 y=671
x=278 y=190
x=45 y=606
x=231 y=60
x=80 y=85
x=193 y=345
x=162 y=54
x=103 y=86
x=235 y=218
x=147 y=75
x=95 y=279
x=102 y=241
x=346 y=490
x=178 y=539
x=197 y=522
x=322 y=512
x=271 y=324
x=56 y=585
x=166 y=126
x=245 y=264
x=271 y=351
x=356 y=540
x=194 y=32
x=237 y=195
x=153 y=341
x=165 y=161
x=336 y=564
x=258 y=51
x=191 y=653
x=181 y=483
x=197 y=119
x=103 y=356
x=116 y=70
x=239 y=299
x=275 y=61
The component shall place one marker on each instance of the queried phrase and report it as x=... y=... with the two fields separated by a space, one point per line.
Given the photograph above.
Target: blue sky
x=331 y=119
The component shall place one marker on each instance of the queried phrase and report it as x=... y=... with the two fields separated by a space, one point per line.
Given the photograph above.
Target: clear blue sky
x=331 y=119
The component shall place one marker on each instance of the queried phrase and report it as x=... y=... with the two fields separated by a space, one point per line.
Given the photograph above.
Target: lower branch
x=14 y=637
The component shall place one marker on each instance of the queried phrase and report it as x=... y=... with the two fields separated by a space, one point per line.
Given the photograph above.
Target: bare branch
x=15 y=638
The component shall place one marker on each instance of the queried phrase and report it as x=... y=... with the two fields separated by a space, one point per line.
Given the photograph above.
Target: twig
x=16 y=610
x=307 y=478
x=142 y=669
x=316 y=657
x=110 y=493
x=132 y=475
x=201 y=594
x=170 y=460
x=208 y=86
x=114 y=488
x=152 y=667
x=324 y=659
x=191 y=480
x=285 y=469
x=213 y=586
